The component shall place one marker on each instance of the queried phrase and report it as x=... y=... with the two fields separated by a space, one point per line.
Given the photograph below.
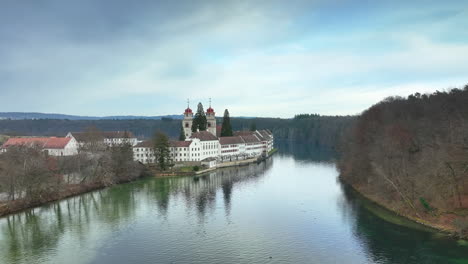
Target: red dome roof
x=210 y=110
x=188 y=110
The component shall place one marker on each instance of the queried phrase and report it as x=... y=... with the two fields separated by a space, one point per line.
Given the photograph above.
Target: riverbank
x=442 y=222
x=19 y=205
x=237 y=163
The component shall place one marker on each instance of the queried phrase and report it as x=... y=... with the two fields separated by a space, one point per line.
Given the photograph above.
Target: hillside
x=32 y=115
x=411 y=155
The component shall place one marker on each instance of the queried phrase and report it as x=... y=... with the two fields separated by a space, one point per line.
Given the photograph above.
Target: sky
x=255 y=58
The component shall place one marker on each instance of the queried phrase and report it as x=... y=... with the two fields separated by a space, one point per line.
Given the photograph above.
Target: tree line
x=323 y=131
x=412 y=155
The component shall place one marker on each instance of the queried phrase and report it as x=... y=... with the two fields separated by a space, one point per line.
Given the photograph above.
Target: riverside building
x=204 y=146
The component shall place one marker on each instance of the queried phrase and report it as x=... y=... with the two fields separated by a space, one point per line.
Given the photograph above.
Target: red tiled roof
x=218 y=130
x=231 y=140
x=243 y=133
x=179 y=144
x=250 y=139
x=56 y=143
x=265 y=134
x=47 y=143
x=259 y=136
x=24 y=142
x=204 y=136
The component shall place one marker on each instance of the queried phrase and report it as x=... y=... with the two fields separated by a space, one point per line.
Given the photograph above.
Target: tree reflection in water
x=388 y=238
x=34 y=234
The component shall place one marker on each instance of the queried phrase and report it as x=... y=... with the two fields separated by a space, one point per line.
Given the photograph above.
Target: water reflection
x=200 y=191
x=391 y=239
x=290 y=208
x=306 y=152
x=35 y=236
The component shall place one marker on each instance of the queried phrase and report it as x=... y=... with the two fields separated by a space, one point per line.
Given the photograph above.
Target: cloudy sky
x=256 y=58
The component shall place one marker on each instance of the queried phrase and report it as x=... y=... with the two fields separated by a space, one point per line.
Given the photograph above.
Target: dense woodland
x=323 y=131
x=411 y=154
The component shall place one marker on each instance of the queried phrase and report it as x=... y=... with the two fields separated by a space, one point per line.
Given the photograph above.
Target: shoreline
x=237 y=163
x=423 y=222
x=21 y=205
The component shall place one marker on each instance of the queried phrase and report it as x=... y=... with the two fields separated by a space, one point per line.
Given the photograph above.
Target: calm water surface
x=290 y=209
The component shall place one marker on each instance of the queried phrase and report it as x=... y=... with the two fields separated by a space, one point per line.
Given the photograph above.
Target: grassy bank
x=272 y=151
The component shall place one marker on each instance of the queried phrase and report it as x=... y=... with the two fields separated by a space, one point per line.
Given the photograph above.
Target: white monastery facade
x=207 y=147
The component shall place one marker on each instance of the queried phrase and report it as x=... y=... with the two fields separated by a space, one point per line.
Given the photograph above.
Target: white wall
x=70 y=149
x=143 y=155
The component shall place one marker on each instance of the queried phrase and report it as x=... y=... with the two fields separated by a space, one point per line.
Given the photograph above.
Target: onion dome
x=188 y=110
x=210 y=110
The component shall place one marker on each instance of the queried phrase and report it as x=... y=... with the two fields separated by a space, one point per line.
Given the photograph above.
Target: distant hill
x=32 y=115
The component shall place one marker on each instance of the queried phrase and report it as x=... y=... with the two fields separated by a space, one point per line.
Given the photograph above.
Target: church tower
x=187 y=121
x=211 y=120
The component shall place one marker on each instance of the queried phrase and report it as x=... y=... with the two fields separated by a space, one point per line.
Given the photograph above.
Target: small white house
x=209 y=162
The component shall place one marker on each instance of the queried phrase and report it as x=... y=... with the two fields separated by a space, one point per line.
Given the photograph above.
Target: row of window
x=229 y=150
x=145 y=155
x=253 y=148
x=229 y=146
x=174 y=148
x=210 y=146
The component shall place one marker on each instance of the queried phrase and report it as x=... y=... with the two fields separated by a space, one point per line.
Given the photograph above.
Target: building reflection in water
x=36 y=233
x=200 y=191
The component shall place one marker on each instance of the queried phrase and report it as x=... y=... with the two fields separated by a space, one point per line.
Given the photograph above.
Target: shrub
x=196 y=168
x=426 y=205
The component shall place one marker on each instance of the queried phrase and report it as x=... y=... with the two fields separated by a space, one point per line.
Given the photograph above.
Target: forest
x=323 y=131
x=411 y=155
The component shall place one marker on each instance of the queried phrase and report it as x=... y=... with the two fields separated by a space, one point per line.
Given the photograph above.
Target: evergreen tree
x=161 y=150
x=253 y=126
x=182 y=133
x=226 y=128
x=199 y=121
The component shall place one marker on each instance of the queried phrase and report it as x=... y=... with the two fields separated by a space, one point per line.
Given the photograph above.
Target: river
x=289 y=209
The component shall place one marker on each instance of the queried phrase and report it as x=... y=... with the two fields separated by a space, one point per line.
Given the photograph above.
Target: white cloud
x=247 y=58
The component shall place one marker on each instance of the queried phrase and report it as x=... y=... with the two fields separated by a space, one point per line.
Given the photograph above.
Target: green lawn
x=185 y=169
